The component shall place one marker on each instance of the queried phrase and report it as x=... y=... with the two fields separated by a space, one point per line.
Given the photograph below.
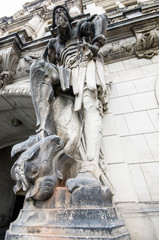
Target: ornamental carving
x=3 y=28
x=24 y=64
x=8 y=63
x=32 y=26
x=146 y=42
x=118 y=49
x=18 y=88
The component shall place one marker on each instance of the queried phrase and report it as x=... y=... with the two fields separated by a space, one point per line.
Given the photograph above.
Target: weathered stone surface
x=67 y=221
x=70 y=95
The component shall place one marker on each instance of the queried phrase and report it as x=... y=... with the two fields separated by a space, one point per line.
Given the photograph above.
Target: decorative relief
x=20 y=14
x=147 y=54
x=118 y=49
x=17 y=88
x=8 y=63
x=143 y=45
x=146 y=42
x=24 y=64
x=3 y=28
x=32 y=26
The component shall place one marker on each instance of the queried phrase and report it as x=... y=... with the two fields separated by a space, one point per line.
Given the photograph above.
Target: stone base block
x=87 y=223
x=68 y=221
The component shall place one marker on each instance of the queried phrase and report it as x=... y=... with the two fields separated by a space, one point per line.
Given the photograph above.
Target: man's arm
x=100 y=28
x=49 y=52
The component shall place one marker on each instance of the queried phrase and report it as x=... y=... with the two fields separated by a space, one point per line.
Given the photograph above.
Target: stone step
x=11 y=236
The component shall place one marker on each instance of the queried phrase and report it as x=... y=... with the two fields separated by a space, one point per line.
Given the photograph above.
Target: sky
x=9 y=7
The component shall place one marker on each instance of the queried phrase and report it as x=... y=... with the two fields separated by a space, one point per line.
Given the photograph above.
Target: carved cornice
x=126 y=38
x=18 y=88
x=133 y=37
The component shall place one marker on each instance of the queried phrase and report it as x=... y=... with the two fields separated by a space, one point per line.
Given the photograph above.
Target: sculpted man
x=69 y=94
x=71 y=64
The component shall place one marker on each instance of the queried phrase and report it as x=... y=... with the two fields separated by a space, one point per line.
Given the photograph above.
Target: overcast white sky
x=9 y=7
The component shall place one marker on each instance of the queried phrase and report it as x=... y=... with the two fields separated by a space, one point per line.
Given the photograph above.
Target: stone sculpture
x=61 y=169
x=70 y=95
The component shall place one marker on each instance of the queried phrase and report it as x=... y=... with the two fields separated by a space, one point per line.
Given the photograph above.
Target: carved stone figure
x=61 y=170
x=39 y=171
x=70 y=95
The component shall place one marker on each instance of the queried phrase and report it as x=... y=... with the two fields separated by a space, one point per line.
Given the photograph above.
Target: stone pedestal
x=65 y=216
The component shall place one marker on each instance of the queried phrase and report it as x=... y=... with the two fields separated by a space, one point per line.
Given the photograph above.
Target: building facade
x=131 y=123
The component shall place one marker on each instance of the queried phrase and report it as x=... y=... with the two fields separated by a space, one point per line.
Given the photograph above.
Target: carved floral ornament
x=146 y=41
x=13 y=67
x=8 y=63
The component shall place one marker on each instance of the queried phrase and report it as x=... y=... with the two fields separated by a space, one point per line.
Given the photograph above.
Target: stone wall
x=131 y=141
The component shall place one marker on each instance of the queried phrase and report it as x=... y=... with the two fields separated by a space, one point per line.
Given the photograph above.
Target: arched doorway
x=10 y=204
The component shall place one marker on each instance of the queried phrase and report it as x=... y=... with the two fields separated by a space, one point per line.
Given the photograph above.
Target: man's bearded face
x=61 y=19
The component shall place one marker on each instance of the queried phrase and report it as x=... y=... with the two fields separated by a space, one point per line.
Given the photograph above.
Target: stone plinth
x=63 y=217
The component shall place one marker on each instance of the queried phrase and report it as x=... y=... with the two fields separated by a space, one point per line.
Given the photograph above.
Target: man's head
x=60 y=17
